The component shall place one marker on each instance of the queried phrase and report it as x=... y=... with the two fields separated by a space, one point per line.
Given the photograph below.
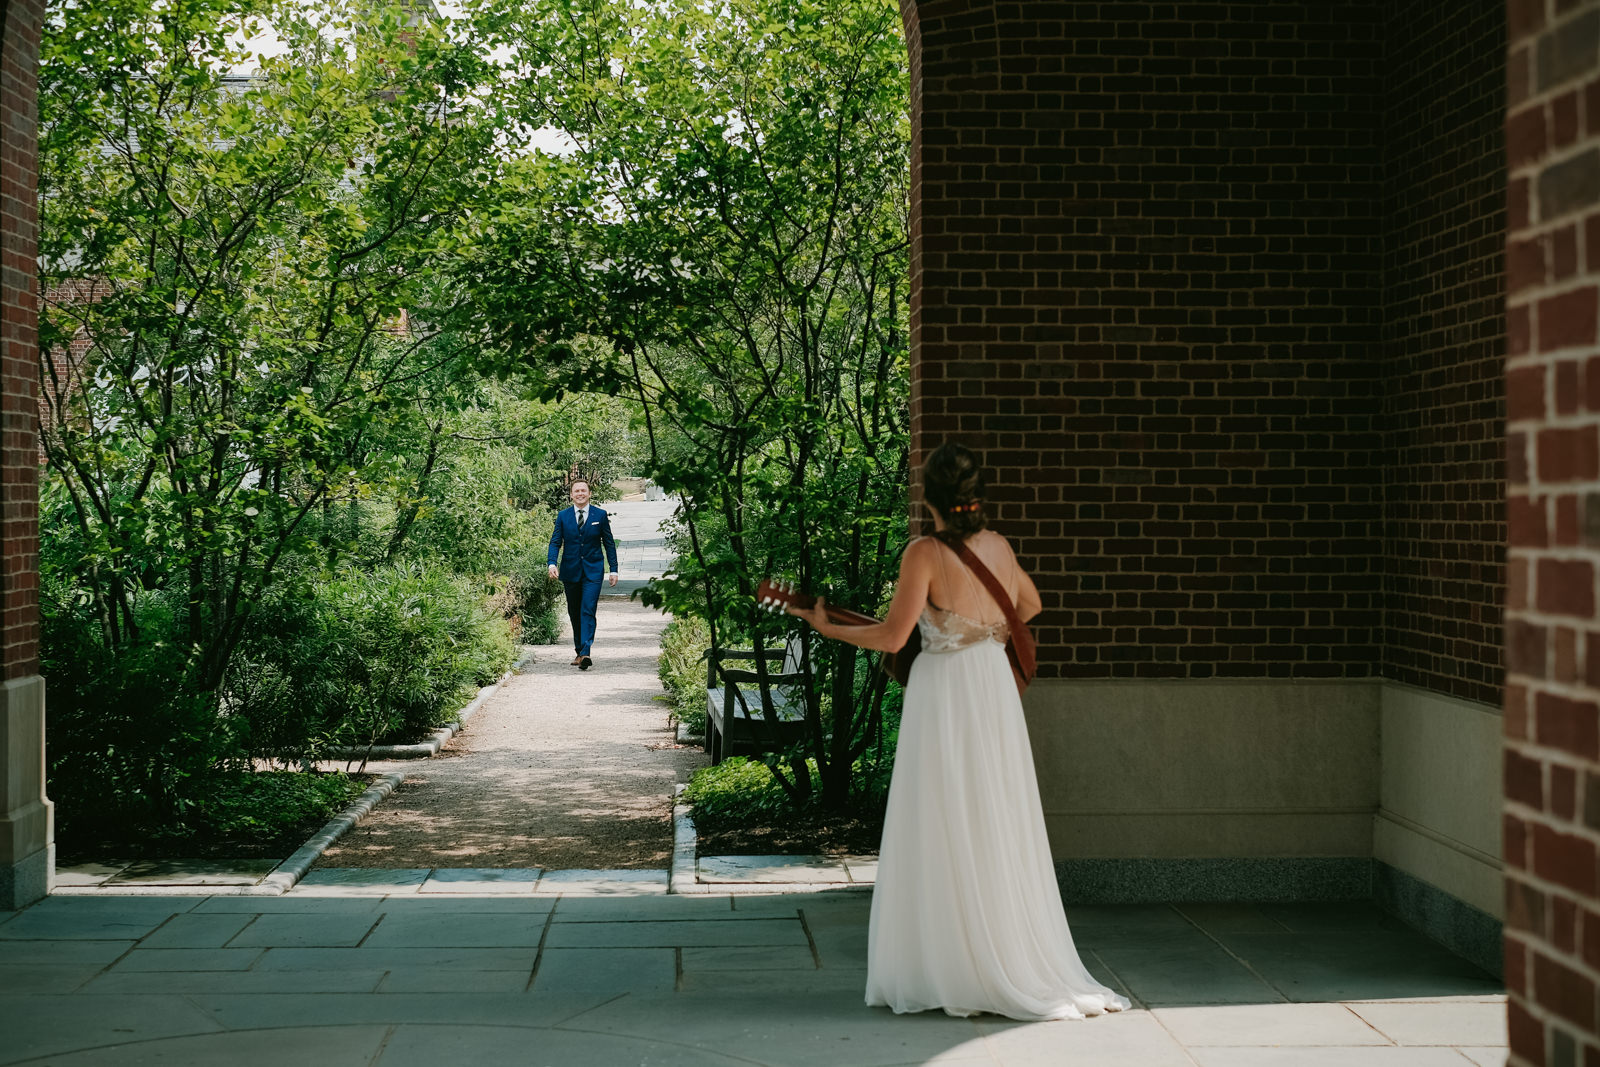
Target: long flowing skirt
x=966 y=913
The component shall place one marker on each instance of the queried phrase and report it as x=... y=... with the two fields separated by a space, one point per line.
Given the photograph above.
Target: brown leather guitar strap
x=1020 y=647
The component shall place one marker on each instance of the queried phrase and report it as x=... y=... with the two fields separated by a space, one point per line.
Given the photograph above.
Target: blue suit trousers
x=583 y=597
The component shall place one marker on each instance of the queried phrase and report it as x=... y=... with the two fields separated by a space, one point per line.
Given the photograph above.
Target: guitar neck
x=846 y=617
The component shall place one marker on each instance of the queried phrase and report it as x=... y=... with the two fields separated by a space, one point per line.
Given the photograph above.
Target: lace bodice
x=946 y=631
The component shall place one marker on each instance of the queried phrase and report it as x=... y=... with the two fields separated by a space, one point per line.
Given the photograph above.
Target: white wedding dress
x=966 y=914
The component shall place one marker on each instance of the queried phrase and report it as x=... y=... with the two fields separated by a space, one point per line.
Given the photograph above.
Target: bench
x=730 y=729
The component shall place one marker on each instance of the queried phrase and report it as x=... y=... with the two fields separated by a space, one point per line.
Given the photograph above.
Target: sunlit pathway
x=561 y=769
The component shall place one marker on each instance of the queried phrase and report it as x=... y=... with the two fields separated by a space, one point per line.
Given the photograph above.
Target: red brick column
x=1552 y=703
x=25 y=818
x=19 y=466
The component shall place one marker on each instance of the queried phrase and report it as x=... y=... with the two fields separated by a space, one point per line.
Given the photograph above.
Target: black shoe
x=584 y=663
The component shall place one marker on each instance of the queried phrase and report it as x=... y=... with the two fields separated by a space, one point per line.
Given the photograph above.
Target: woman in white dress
x=966 y=914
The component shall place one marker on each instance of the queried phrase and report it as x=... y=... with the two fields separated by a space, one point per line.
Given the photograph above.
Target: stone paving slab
x=547 y=1008
x=757 y=979
x=280 y=931
x=1107 y=1041
x=607 y=970
x=1438 y=1023
x=693 y=932
x=421 y=981
x=762 y=870
x=1331 y=1057
x=479 y=880
x=345 y=1044
x=193 y=872
x=60 y=953
x=295 y=960
x=189 y=959
x=38 y=1025
x=191 y=930
x=378 y=879
x=1269 y=1024
x=441 y=930
x=603 y=883
x=87 y=874
x=45 y=977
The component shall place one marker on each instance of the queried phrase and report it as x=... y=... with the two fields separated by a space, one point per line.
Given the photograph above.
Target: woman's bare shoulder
x=995 y=540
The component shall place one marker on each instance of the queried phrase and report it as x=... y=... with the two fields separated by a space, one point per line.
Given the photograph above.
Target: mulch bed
x=85 y=845
x=82 y=842
x=800 y=835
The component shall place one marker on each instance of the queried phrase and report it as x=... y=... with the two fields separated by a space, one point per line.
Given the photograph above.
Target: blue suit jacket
x=580 y=550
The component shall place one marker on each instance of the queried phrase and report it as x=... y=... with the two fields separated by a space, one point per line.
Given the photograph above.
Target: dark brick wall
x=1148 y=246
x=1217 y=289
x=1552 y=692
x=1444 y=345
x=19 y=450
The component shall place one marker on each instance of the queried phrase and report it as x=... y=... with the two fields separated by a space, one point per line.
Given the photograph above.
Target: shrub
x=741 y=793
x=245 y=805
x=521 y=590
x=126 y=733
x=736 y=792
x=365 y=658
x=682 y=669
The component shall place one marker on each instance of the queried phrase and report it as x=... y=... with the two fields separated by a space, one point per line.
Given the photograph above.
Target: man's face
x=580 y=494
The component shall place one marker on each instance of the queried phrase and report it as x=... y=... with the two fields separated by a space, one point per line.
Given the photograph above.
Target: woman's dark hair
x=952 y=481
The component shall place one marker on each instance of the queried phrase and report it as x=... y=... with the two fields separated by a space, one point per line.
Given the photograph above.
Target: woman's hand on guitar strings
x=816 y=615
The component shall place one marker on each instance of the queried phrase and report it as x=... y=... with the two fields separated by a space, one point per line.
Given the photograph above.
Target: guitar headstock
x=777 y=595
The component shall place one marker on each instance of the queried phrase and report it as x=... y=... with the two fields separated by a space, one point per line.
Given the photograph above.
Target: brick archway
x=1218 y=292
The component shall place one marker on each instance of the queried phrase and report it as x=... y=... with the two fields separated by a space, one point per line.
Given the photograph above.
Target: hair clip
x=971 y=505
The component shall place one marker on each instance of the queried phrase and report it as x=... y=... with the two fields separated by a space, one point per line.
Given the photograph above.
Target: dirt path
x=561 y=769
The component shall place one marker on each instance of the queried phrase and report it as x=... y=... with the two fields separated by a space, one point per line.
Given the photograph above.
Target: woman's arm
x=1029 y=603
x=910 y=595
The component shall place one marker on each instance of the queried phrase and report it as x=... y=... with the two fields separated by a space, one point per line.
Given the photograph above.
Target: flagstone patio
x=345 y=973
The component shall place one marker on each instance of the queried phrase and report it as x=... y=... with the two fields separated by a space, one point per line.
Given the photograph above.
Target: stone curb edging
x=683 y=872
x=436 y=740
x=285 y=875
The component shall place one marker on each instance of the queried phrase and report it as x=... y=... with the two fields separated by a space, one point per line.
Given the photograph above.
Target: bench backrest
x=793 y=652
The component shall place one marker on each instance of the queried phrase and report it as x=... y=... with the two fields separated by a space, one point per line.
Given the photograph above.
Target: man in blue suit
x=581 y=532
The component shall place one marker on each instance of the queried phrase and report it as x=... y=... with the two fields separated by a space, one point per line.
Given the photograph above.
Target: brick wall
x=1444 y=345
x=19 y=455
x=1552 y=697
x=1149 y=260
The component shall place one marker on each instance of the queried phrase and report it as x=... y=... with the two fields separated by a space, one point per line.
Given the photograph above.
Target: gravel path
x=561 y=769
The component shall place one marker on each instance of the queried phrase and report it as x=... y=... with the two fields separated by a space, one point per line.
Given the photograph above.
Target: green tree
x=246 y=286
x=730 y=220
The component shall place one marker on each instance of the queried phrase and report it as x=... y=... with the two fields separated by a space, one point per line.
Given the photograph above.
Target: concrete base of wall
x=29 y=880
x=1469 y=932
x=1183 y=770
x=27 y=852
x=1276 y=791
x=1177 y=881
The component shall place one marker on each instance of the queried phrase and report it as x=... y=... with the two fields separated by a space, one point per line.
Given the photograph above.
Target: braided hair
x=952 y=481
